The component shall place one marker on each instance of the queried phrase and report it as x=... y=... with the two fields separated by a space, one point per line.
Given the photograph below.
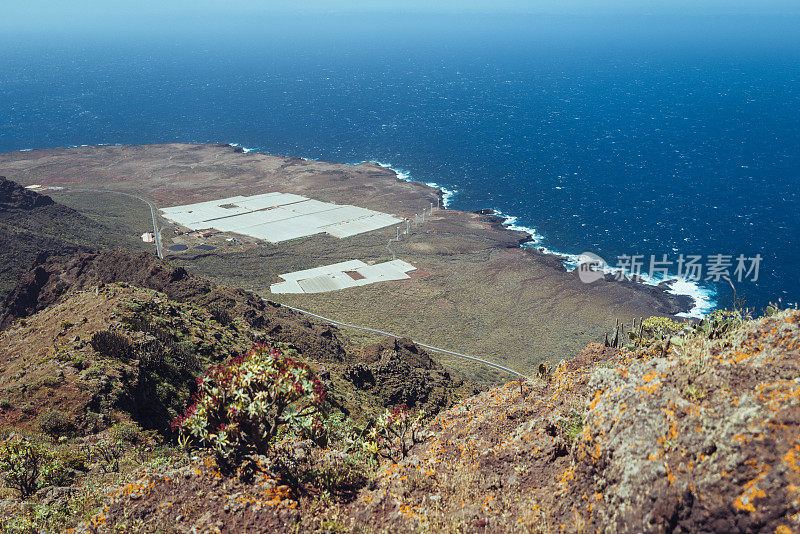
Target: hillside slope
x=395 y=370
x=701 y=435
x=51 y=279
x=689 y=429
x=33 y=226
x=139 y=296
x=703 y=439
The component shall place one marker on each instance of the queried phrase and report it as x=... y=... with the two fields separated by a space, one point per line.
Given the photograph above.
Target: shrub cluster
x=240 y=405
x=54 y=423
x=112 y=344
x=657 y=333
x=658 y=327
x=27 y=467
x=21 y=463
x=718 y=323
x=394 y=434
x=221 y=315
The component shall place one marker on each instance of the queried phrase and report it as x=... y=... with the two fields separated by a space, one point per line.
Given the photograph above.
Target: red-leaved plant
x=241 y=404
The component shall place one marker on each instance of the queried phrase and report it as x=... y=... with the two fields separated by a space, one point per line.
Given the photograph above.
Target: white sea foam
x=704 y=297
x=447 y=194
x=510 y=222
x=244 y=149
x=704 y=301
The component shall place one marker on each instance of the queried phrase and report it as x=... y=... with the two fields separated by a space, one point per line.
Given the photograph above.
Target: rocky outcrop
x=14 y=197
x=703 y=439
x=33 y=227
x=53 y=277
x=399 y=372
x=708 y=438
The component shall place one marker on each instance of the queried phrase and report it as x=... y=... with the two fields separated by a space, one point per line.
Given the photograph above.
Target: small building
x=148 y=237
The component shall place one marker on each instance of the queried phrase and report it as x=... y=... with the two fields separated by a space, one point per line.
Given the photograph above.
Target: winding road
x=423 y=345
x=156 y=230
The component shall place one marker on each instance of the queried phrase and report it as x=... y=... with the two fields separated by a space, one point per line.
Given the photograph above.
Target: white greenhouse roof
x=277 y=217
x=333 y=277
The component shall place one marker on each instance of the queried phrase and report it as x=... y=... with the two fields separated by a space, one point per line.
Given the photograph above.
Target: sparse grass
x=328 y=518
x=122 y=215
x=694 y=393
x=572 y=426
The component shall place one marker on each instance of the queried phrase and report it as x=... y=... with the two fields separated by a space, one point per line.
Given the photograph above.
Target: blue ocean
x=625 y=137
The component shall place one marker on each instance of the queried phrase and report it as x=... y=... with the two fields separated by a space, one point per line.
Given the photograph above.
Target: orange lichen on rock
x=791 y=457
x=750 y=493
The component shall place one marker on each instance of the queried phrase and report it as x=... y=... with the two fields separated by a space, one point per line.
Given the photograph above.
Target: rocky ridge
x=139 y=296
x=33 y=226
x=703 y=439
x=14 y=197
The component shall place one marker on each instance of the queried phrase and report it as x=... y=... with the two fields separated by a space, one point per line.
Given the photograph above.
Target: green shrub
x=52 y=381
x=79 y=362
x=339 y=476
x=54 y=423
x=241 y=404
x=572 y=425
x=221 y=315
x=715 y=325
x=656 y=332
x=694 y=393
x=74 y=457
x=658 y=327
x=20 y=463
x=27 y=467
x=126 y=431
x=108 y=452
x=394 y=434
x=112 y=345
x=54 y=473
